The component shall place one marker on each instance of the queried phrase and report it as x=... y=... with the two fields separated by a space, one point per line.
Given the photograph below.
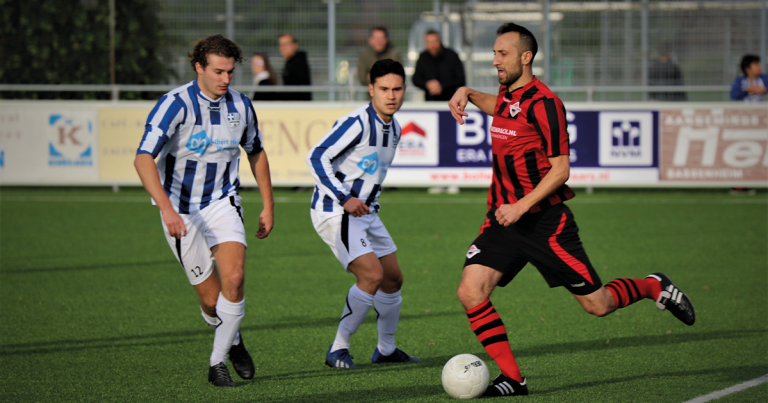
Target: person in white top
x=349 y=165
x=197 y=130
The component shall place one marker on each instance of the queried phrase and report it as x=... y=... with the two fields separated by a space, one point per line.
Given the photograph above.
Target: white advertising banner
x=419 y=139
x=47 y=144
x=715 y=145
x=94 y=143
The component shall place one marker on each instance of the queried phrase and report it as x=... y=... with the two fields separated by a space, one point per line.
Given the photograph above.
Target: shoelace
x=401 y=356
x=345 y=354
x=221 y=372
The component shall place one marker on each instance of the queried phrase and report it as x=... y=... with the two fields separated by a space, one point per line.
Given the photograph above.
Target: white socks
x=213 y=322
x=231 y=315
x=358 y=304
x=388 y=308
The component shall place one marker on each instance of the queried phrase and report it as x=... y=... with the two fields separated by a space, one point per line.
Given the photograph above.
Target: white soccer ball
x=465 y=377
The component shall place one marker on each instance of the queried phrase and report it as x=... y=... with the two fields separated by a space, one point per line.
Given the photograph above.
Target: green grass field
x=94 y=307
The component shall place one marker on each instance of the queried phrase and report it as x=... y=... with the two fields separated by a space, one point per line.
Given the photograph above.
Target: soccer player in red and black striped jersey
x=527 y=220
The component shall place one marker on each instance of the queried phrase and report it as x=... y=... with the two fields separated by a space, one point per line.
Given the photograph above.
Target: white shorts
x=351 y=237
x=221 y=221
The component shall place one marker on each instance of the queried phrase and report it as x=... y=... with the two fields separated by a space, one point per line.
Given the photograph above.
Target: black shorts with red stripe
x=548 y=239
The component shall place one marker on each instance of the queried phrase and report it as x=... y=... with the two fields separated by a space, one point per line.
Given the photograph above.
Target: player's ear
x=370 y=90
x=526 y=58
x=198 y=68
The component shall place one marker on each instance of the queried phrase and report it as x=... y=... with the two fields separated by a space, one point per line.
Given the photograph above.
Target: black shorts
x=548 y=239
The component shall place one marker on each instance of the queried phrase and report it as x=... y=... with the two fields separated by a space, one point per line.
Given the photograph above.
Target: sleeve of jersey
x=162 y=120
x=342 y=138
x=251 y=140
x=548 y=117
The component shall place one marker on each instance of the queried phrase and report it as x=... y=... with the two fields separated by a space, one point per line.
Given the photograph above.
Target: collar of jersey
x=202 y=96
x=523 y=88
x=375 y=115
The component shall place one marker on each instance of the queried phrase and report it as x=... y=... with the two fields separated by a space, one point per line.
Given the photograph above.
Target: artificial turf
x=94 y=307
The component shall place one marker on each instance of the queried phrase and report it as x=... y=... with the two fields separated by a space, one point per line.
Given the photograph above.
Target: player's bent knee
x=396 y=282
x=374 y=279
x=597 y=310
x=233 y=280
x=468 y=297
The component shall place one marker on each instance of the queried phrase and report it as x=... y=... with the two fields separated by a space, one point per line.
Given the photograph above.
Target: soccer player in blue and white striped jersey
x=349 y=165
x=195 y=131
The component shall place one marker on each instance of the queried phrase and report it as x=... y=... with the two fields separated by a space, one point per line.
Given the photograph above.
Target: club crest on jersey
x=369 y=164
x=472 y=252
x=514 y=109
x=233 y=119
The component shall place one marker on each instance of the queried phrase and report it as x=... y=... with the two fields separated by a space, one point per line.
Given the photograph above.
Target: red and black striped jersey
x=528 y=127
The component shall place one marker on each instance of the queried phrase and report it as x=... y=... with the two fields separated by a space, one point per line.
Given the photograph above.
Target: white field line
x=728 y=391
x=399 y=200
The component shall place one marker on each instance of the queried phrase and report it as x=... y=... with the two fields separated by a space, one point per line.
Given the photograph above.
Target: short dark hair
x=526 y=37
x=432 y=31
x=293 y=38
x=747 y=61
x=386 y=66
x=380 y=28
x=214 y=45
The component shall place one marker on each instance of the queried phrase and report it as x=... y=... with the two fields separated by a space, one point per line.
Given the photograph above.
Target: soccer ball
x=465 y=377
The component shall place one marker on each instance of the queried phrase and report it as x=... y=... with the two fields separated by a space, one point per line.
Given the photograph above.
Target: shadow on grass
x=185 y=336
x=89 y=267
x=178 y=337
x=384 y=394
x=381 y=394
x=730 y=374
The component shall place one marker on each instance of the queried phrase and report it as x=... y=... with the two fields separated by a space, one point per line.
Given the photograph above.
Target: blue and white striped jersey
x=198 y=141
x=352 y=160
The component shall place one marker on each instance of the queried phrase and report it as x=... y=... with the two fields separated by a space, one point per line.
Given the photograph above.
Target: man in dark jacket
x=439 y=71
x=296 y=69
x=665 y=72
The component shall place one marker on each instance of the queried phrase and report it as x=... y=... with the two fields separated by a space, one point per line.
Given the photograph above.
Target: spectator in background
x=751 y=87
x=439 y=71
x=263 y=75
x=665 y=72
x=296 y=69
x=378 y=48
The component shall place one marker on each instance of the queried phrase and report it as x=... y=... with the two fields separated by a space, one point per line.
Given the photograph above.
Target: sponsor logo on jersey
x=514 y=109
x=369 y=164
x=502 y=133
x=581 y=284
x=472 y=252
x=233 y=119
x=70 y=141
x=198 y=142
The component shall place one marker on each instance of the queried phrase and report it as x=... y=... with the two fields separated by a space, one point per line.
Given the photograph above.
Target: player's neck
x=211 y=96
x=524 y=79
x=384 y=118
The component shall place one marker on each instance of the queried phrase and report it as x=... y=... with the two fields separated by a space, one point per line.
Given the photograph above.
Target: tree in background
x=67 y=42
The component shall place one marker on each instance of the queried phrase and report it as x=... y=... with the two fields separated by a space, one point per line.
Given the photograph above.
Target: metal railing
x=350 y=92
